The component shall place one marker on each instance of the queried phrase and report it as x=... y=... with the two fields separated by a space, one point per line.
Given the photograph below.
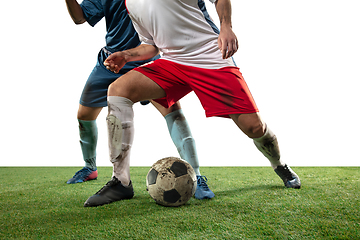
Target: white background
x=301 y=60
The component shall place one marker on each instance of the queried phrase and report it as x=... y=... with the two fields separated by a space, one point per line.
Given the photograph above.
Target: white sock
x=268 y=145
x=121 y=135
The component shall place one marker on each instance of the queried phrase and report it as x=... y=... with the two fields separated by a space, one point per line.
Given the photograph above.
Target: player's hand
x=115 y=62
x=227 y=42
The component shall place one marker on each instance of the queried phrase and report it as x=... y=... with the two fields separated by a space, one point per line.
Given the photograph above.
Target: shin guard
x=88 y=140
x=120 y=127
x=181 y=135
x=268 y=145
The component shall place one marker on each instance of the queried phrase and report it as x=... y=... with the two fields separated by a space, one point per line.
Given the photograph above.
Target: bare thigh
x=136 y=87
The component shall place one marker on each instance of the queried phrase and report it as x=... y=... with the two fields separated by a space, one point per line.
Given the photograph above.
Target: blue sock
x=88 y=140
x=181 y=135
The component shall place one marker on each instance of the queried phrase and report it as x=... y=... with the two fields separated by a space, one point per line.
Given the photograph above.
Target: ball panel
x=178 y=168
x=156 y=193
x=172 y=196
x=166 y=180
x=185 y=186
x=152 y=176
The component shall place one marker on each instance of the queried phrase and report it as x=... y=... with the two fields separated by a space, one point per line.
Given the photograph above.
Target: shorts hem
x=94 y=105
x=227 y=114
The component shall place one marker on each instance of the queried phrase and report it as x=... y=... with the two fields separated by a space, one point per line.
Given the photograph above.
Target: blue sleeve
x=93 y=11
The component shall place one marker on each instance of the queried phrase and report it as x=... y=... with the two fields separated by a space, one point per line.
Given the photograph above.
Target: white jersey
x=178 y=28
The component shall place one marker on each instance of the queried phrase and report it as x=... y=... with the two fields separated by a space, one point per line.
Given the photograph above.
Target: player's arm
x=227 y=40
x=75 y=11
x=142 y=52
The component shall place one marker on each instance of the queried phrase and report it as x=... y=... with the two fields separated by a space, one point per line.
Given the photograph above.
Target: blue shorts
x=95 y=91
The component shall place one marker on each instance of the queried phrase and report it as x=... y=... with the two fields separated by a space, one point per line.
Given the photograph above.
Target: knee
x=112 y=90
x=174 y=111
x=176 y=106
x=250 y=124
x=121 y=88
x=255 y=130
x=81 y=115
x=88 y=113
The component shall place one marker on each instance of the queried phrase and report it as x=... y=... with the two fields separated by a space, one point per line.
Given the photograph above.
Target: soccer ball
x=171 y=182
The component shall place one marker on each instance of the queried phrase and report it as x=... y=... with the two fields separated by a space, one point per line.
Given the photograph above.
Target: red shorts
x=221 y=91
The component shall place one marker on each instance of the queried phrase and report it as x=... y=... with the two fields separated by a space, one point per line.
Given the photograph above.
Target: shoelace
x=201 y=181
x=110 y=183
x=82 y=172
x=286 y=172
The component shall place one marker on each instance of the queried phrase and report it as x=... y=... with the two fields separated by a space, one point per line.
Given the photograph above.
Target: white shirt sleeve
x=212 y=1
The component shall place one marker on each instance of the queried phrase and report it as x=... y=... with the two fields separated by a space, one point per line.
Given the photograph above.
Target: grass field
x=250 y=203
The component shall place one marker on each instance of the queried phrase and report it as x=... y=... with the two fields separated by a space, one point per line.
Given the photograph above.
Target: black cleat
x=289 y=177
x=113 y=191
x=146 y=102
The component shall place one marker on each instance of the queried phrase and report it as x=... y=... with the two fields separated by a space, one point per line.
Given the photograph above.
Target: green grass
x=250 y=203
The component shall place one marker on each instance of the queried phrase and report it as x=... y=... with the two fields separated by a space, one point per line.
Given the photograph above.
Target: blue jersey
x=120 y=33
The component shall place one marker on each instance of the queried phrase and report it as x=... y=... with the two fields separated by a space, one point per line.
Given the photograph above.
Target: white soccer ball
x=171 y=182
